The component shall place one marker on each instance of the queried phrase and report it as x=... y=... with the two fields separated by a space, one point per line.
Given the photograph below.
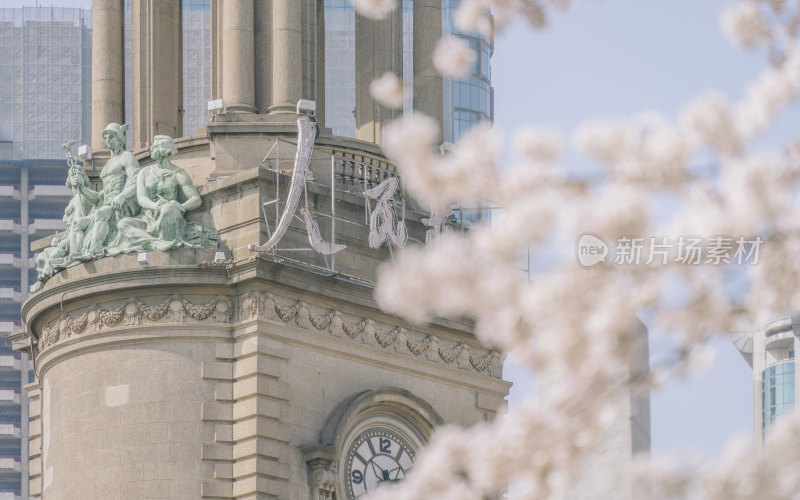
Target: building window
x=777 y=392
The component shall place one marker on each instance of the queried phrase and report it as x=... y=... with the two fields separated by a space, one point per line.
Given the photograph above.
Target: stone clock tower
x=206 y=328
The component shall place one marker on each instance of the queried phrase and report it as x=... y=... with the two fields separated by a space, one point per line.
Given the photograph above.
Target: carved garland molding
x=265 y=305
x=135 y=311
x=177 y=309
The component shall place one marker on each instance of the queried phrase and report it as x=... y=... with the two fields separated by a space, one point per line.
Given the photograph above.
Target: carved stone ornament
x=324 y=483
x=265 y=305
x=135 y=311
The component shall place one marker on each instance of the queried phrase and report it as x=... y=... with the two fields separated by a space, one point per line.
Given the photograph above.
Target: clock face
x=376 y=456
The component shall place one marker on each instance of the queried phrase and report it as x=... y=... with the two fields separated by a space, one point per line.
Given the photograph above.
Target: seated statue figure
x=115 y=201
x=60 y=253
x=76 y=214
x=56 y=256
x=52 y=259
x=165 y=193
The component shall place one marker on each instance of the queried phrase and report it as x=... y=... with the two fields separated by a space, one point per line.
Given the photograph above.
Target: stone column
x=108 y=68
x=157 y=70
x=263 y=54
x=308 y=36
x=216 y=49
x=427 y=81
x=287 y=53
x=379 y=48
x=238 y=85
x=320 y=63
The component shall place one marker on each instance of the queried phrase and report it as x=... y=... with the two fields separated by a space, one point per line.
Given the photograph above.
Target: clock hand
x=383 y=475
x=379 y=473
x=394 y=474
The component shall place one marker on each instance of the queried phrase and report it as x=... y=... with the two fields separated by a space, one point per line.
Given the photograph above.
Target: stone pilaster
x=379 y=48
x=219 y=414
x=157 y=70
x=261 y=437
x=428 y=96
x=108 y=68
x=238 y=87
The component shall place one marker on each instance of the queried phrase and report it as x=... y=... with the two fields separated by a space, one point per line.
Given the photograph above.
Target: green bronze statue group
x=137 y=209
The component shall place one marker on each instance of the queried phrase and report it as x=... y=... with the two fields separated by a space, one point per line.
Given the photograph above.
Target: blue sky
x=615 y=58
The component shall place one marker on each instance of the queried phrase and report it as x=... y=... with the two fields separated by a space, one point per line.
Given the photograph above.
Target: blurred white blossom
x=744 y=24
x=538 y=145
x=475 y=16
x=388 y=90
x=453 y=57
x=466 y=172
x=486 y=17
x=606 y=140
x=709 y=119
